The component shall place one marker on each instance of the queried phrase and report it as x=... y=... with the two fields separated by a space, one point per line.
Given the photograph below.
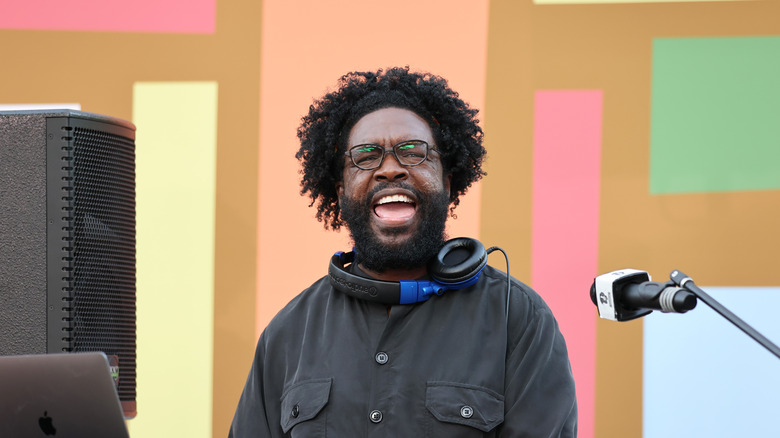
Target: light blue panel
x=704 y=377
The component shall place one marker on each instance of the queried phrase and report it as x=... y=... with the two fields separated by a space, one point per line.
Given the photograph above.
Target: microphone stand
x=685 y=282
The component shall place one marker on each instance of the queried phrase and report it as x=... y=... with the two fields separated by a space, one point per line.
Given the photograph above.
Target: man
x=388 y=154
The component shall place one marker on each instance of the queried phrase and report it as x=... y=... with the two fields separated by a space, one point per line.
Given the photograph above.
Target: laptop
x=64 y=395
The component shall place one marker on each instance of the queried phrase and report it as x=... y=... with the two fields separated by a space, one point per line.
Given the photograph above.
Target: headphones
x=457 y=265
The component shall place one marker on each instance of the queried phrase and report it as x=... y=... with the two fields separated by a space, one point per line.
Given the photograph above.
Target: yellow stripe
x=176 y=191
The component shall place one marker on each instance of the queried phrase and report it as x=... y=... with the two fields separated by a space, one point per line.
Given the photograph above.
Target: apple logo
x=46 y=424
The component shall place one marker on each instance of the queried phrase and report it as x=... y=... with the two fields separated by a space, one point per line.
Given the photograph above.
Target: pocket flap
x=469 y=405
x=303 y=401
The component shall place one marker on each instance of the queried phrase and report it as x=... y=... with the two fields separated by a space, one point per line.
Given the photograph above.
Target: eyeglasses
x=370 y=156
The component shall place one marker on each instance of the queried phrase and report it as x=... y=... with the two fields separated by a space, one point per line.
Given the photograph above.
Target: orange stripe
x=305 y=48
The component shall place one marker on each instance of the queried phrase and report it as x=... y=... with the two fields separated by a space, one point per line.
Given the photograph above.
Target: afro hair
x=324 y=131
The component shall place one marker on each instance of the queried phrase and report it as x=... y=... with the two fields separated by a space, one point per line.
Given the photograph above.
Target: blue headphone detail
x=457 y=265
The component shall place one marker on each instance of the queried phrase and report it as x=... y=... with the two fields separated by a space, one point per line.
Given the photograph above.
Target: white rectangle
x=704 y=377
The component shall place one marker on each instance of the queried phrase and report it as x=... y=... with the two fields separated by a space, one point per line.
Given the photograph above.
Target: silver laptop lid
x=68 y=395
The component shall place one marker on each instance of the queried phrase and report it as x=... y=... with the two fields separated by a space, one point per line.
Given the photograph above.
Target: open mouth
x=395 y=208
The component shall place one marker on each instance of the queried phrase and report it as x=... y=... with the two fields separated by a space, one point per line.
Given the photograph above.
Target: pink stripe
x=167 y=16
x=566 y=181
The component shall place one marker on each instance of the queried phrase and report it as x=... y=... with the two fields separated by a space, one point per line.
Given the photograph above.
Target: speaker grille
x=99 y=248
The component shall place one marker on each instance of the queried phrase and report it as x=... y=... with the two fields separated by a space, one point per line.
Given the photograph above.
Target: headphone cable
x=508 y=277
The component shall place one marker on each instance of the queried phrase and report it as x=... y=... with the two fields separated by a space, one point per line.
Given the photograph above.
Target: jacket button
x=466 y=412
x=381 y=358
x=295 y=411
x=375 y=416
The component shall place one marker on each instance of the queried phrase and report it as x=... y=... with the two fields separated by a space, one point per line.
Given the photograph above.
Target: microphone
x=629 y=294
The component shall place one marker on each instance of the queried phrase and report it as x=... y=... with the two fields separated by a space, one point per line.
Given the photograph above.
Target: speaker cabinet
x=67 y=238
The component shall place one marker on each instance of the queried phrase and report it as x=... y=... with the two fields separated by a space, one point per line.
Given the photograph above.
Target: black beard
x=424 y=243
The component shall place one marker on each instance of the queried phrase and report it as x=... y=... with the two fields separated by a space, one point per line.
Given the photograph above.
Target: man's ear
x=447 y=183
x=339 y=189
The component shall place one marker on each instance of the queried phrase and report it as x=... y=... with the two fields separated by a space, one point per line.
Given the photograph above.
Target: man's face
x=394 y=211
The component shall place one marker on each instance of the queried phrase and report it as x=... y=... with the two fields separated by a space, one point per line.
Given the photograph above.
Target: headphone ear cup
x=459 y=260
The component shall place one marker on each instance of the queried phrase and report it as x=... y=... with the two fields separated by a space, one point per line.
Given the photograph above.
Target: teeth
x=395 y=198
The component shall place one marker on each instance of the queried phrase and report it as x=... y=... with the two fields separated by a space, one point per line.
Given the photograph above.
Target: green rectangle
x=715 y=123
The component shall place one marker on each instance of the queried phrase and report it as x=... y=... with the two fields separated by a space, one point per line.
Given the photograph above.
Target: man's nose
x=391 y=169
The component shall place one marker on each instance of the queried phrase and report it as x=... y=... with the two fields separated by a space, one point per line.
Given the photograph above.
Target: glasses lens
x=367 y=156
x=411 y=153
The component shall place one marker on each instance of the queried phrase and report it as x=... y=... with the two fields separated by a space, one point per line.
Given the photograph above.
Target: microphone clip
x=607 y=293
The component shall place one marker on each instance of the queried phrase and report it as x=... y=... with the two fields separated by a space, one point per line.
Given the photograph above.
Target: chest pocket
x=469 y=405
x=302 y=402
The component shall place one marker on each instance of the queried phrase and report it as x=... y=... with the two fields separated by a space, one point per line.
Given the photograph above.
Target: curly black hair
x=325 y=130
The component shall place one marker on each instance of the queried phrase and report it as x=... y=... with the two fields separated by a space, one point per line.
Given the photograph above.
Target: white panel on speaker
x=39 y=106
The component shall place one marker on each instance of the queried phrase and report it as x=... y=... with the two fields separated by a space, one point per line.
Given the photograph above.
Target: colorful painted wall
x=620 y=134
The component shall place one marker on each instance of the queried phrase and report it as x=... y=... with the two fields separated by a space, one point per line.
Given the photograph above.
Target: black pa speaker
x=67 y=238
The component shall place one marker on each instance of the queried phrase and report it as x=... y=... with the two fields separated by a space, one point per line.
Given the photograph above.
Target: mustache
x=388 y=185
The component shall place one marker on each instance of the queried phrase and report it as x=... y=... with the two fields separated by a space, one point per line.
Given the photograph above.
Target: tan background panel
x=98 y=70
x=719 y=239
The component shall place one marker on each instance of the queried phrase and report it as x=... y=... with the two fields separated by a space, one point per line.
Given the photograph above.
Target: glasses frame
x=392 y=150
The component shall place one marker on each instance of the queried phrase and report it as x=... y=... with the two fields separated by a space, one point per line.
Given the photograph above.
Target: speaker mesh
x=99 y=248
